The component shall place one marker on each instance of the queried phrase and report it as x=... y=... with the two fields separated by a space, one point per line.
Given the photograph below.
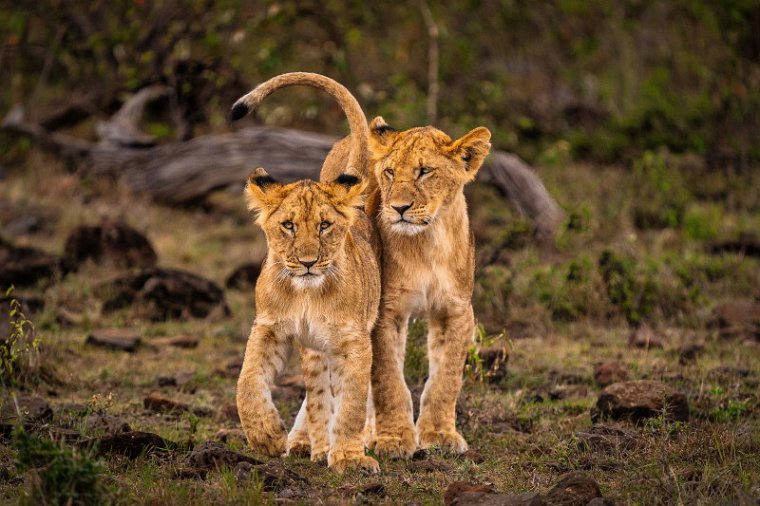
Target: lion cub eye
x=425 y=170
x=325 y=225
x=388 y=172
x=287 y=225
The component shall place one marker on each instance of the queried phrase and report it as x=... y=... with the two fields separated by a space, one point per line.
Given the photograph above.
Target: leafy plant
x=19 y=350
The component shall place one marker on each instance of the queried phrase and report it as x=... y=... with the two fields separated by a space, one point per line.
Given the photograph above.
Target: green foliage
x=729 y=411
x=566 y=290
x=702 y=223
x=493 y=286
x=660 y=193
x=60 y=475
x=19 y=350
x=633 y=295
x=416 y=363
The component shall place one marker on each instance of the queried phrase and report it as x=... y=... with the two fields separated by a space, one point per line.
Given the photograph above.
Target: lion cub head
x=306 y=223
x=420 y=172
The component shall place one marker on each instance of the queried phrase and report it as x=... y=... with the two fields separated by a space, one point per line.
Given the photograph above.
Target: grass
x=554 y=306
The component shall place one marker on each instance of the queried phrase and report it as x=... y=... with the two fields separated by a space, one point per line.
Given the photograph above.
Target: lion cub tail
x=358 y=159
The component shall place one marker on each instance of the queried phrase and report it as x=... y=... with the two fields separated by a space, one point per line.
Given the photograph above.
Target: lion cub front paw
x=340 y=462
x=394 y=447
x=268 y=436
x=299 y=448
x=446 y=441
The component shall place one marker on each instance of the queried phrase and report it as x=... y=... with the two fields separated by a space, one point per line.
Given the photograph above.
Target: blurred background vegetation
x=603 y=81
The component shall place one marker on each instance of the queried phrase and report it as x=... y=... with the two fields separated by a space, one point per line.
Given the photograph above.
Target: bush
x=60 y=475
x=19 y=349
x=660 y=193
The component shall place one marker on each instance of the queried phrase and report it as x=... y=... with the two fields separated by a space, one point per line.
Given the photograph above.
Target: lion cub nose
x=307 y=263
x=401 y=209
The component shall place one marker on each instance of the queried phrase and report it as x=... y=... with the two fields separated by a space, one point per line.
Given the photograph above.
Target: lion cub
x=319 y=289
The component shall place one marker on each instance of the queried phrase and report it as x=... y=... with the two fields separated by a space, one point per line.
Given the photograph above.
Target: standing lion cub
x=319 y=289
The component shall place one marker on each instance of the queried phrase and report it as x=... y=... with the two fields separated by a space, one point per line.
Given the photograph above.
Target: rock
x=688 y=353
x=608 y=373
x=493 y=360
x=156 y=402
x=117 y=339
x=23 y=266
x=113 y=244
x=644 y=337
x=212 y=455
x=244 y=277
x=574 y=489
x=159 y=294
x=637 y=400
x=474 y=456
x=277 y=477
x=567 y=392
x=746 y=244
x=184 y=380
x=178 y=341
x=108 y=424
x=27 y=410
x=604 y=438
x=736 y=318
x=453 y=490
x=132 y=444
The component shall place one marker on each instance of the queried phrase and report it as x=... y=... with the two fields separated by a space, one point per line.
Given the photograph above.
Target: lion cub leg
x=450 y=335
x=395 y=435
x=316 y=376
x=350 y=377
x=264 y=356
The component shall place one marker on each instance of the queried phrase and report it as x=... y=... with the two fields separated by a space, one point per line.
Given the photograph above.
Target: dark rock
x=637 y=400
x=736 y=318
x=746 y=244
x=244 y=277
x=212 y=455
x=574 y=489
x=114 y=244
x=108 y=424
x=132 y=444
x=27 y=410
x=688 y=353
x=458 y=487
x=23 y=266
x=608 y=373
x=184 y=380
x=277 y=477
x=165 y=293
x=644 y=337
x=117 y=339
x=567 y=392
x=178 y=341
x=474 y=456
x=156 y=402
x=603 y=438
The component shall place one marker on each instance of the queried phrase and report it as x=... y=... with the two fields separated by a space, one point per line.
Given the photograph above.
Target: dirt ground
x=614 y=299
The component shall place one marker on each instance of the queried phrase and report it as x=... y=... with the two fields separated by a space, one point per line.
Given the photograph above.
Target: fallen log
x=182 y=172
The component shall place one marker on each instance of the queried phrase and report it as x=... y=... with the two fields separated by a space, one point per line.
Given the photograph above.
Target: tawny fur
x=428 y=270
x=328 y=315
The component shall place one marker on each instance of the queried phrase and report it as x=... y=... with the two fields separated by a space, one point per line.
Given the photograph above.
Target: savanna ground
x=556 y=309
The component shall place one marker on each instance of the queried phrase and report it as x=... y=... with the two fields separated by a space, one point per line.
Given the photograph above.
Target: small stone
x=244 y=277
x=28 y=410
x=178 y=341
x=156 y=402
x=213 y=455
x=451 y=495
x=644 y=337
x=116 y=339
x=574 y=489
x=131 y=444
x=638 y=400
x=608 y=373
x=180 y=379
x=603 y=438
x=688 y=353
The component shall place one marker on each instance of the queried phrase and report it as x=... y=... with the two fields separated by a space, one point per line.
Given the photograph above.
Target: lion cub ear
x=349 y=188
x=261 y=190
x=381 y=136
x=472 y=148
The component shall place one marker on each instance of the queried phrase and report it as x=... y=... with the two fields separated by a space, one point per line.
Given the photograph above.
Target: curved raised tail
x=358 y=158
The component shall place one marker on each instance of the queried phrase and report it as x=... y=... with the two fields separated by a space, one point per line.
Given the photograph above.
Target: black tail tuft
x=238 y=111
x=347 y=180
